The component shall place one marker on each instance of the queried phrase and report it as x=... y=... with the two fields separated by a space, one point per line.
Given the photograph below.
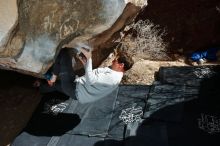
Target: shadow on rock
x=52 y=125
x=190 y=24
x=48 y=119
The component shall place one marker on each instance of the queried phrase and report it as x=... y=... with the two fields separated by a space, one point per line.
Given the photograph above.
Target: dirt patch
x=143 y=71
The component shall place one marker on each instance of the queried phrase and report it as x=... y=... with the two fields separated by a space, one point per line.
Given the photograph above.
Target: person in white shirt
x=94 y=85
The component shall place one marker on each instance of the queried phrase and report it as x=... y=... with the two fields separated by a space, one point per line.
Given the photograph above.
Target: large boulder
x=8 y=17
x=189 y=24
x=33 y=32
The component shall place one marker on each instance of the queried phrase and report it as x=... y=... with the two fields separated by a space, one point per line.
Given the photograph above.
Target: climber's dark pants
x=64 y=70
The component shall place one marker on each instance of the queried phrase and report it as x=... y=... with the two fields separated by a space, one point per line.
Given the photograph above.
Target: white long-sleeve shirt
x=96 y=83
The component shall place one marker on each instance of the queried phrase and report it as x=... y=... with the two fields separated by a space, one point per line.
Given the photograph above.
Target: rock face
x=190 y=24
x=18 y=100
x=33 y=32
x=8 y=17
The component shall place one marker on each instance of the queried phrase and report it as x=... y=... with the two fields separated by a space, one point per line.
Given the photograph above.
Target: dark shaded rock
x=18 y=101
x=190 y=24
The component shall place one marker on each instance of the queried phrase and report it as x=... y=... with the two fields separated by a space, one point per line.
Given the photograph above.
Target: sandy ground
x=143 y=71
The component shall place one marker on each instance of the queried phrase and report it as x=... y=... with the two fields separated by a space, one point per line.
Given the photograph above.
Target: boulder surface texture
x=33 y=32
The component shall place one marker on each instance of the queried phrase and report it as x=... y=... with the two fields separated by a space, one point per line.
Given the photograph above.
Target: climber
x=94 y=85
